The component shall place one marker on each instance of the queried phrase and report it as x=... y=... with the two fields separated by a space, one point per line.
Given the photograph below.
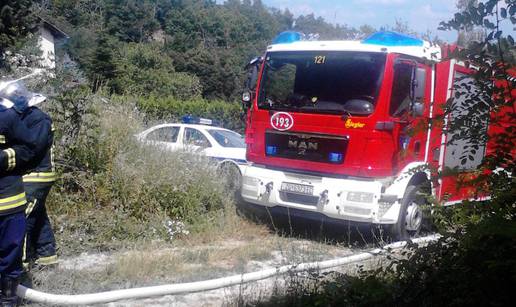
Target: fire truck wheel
x=411 y=218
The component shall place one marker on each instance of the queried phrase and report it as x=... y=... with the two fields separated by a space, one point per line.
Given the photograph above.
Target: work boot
x=8 y=297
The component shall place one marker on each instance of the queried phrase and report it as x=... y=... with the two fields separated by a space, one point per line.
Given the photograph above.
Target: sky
x=420 y=15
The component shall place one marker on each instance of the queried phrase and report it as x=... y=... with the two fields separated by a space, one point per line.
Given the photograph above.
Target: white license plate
x=297 y=188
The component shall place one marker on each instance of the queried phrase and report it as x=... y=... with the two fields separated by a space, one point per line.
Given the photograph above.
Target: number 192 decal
x=282 y=121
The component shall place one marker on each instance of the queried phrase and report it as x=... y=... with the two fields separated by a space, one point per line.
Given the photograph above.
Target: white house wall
x=46 y=43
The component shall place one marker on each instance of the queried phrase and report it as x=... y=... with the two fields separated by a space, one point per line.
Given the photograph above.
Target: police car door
x=165 y=137
x=195 y=141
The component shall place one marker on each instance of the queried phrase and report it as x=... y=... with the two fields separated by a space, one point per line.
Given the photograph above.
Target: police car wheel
x=411 y=217
x=232 y=176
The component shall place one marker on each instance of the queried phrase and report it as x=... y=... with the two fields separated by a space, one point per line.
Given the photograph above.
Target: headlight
x=360 y=197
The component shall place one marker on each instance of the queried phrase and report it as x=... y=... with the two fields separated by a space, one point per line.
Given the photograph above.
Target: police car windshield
x=227 y=138
x=320 y=81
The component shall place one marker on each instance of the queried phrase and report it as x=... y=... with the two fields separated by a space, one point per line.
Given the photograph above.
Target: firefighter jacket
x=43 y=172
x=20 y=146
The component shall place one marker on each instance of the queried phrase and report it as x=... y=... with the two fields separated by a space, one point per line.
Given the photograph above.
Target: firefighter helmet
x=17 y=93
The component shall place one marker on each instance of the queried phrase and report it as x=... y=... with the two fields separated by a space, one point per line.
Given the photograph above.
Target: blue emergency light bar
x=288 y=37
x=189 y=119
x=390 y=38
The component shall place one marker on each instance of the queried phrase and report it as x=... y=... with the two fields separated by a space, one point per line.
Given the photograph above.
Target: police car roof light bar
x=195 y=120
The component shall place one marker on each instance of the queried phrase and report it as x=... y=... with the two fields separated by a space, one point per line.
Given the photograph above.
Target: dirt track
x=156 y=264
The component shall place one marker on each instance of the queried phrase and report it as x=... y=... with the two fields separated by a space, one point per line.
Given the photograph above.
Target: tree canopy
x=202 y=44
x=17 y=20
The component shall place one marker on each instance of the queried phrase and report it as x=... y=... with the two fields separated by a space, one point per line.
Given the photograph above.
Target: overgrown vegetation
x=114 y=188
x=17 y=20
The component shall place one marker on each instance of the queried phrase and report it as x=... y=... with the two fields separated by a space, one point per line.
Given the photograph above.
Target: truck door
x=464 y=138
x=408 y=104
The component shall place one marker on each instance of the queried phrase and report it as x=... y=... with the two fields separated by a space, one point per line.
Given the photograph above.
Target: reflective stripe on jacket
x=43 y=171
x=40 y=177
x=20 y=147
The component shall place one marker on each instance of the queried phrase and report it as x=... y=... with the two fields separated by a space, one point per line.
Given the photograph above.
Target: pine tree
x=17 y=20
x=102 y=64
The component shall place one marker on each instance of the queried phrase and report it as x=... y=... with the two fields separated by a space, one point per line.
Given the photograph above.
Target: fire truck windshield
x=321 y=81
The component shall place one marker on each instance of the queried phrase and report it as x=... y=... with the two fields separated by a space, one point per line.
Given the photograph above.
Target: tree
x=17 y=20
x=469 y=33
x=102 y=69
x=131 y=20
x=143 y=70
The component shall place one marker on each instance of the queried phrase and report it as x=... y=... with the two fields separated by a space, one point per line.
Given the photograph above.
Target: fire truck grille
x=306 y=146
x=299 y=199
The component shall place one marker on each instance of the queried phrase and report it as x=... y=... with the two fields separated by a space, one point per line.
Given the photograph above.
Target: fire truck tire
x=411 y=217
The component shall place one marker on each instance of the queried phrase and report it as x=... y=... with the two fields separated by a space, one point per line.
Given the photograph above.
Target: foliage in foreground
x=112 y=188
x=472 y=267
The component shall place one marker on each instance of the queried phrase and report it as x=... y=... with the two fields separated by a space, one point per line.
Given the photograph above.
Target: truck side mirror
x=250 y=84
x=419 y=83
x=417 y=90
x=247 y=98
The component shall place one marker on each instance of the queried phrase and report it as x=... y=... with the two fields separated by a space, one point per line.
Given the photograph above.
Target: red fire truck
x=331 y=129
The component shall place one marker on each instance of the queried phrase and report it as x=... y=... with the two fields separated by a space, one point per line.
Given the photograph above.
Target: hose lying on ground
x=138 y=293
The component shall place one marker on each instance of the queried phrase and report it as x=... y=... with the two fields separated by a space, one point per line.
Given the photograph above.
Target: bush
x=112 y=188
x=141 y=69
x=230 y=115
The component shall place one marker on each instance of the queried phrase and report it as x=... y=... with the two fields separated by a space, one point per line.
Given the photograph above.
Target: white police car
x=199 y=136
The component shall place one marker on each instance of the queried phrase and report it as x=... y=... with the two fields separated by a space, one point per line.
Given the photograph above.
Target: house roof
x=58 y=33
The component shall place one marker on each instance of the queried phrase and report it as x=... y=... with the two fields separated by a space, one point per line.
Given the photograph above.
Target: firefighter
x=19 y=147
x=40 y=246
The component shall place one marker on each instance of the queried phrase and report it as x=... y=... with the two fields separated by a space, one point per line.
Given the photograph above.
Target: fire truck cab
x=340 y=129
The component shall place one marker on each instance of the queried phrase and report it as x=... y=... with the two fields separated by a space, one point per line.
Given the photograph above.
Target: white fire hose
x=138 y=293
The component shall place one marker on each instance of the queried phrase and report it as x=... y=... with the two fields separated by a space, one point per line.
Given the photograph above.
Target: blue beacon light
x=288 y=37
x=189 y=119
x=390 y=38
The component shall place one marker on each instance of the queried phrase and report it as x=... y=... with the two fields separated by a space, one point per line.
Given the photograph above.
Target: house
x=49 y=37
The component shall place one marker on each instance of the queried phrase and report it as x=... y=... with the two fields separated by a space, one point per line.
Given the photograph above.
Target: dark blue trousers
x=41 y=243
x=12 y=233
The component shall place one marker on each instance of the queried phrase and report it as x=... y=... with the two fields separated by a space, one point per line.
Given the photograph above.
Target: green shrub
x=230 y=115
x=143 y=70
x=112 y=187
